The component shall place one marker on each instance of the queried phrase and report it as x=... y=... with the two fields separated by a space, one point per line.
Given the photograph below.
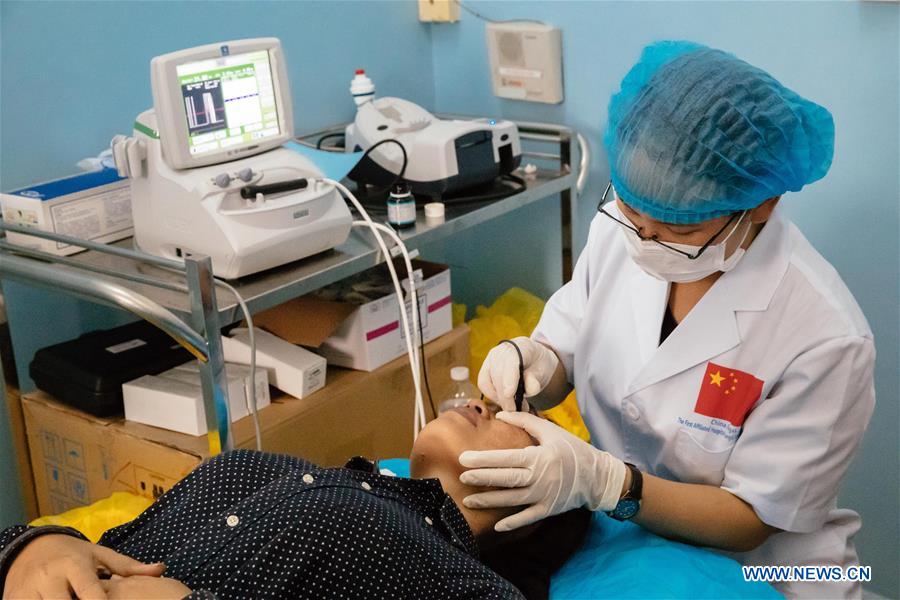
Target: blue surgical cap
x=696 y=133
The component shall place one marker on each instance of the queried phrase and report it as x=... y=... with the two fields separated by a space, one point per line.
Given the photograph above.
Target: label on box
x=106 y=213
x=130 y=344
x=313 y=379
x=422 y=299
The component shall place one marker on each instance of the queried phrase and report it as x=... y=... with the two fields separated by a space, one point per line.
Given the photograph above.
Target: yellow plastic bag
x=524 y=307
x=458 y=314
x=517 y=312
x=100 y=516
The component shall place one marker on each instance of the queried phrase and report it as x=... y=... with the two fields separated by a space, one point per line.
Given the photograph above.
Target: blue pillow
x=624 y=560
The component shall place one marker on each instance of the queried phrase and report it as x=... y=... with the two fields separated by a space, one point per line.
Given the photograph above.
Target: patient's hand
x=62 y=566
x=138 y=587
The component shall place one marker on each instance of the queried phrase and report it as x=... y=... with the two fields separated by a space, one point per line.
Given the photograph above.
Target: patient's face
x=472 y=427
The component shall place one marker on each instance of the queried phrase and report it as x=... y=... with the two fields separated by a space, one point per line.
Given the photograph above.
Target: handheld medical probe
x=519 y=397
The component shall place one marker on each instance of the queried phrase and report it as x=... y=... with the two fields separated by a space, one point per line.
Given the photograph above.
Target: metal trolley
x=180 y=298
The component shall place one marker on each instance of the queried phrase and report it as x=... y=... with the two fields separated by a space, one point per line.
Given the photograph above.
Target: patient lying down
x=249 y=524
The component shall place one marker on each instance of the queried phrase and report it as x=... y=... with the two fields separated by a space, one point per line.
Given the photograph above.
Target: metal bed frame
x=180 y=298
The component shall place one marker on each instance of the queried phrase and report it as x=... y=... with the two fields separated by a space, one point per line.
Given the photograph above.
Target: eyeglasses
x=637 y=230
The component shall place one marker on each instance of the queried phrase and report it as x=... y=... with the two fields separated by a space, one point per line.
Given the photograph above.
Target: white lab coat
x=783 y=315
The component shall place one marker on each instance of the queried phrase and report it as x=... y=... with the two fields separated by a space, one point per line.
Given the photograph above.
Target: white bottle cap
x=434 y=211
x=459 y=373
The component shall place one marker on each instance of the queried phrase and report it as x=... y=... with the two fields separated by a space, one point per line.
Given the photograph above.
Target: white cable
x=411 y=336
x=420 y=408
x=251 y=399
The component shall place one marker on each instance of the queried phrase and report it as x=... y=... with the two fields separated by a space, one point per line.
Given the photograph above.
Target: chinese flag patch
x=727 y=394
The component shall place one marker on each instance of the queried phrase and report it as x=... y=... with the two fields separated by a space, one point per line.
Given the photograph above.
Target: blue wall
x=843 y=55
x=73 y=74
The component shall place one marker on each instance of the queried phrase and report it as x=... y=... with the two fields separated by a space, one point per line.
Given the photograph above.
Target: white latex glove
x=499 y=374
x=563 y=473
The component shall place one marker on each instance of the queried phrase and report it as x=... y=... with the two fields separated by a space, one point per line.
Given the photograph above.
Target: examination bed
x=623 y=560
x=618 y=560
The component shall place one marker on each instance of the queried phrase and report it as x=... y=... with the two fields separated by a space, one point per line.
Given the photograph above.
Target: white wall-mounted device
x=526 y=61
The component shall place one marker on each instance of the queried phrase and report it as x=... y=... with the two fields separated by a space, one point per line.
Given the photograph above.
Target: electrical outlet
x=438 y=11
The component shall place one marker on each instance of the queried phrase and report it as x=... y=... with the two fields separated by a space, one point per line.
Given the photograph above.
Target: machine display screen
x=228 y=101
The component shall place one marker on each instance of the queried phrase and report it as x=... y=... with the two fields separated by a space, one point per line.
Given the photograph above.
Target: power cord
x=425 y=362
x=492 y=195
x=251 y=399
x=376 y=205
x=328 y=136
x=398 y=176
x=474 y=12
x=478 y=15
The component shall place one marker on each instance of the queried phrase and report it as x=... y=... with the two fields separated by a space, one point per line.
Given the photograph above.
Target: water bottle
x=462 y=392
x=362 y=87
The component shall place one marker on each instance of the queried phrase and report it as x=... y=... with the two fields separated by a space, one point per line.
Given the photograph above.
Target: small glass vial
x=401 y=206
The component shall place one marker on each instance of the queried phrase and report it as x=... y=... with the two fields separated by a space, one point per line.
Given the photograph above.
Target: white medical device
x=444 y=155
x=208 y=171
x=526 y=61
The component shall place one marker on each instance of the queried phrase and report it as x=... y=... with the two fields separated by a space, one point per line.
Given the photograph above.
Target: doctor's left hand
x=562 y=473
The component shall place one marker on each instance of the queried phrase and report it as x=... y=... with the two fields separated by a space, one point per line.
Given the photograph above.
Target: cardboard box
x=79 y=459
x=93 y=206
x=363 y=336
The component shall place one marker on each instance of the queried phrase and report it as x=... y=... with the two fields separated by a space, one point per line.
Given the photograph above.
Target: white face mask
x=664 y=264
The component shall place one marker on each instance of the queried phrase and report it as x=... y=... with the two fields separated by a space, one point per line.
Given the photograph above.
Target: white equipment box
x=526 y=61
x=291 y=368
x=93 y=206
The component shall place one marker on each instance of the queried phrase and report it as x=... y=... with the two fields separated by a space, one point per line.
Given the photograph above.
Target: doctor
x=722 y=367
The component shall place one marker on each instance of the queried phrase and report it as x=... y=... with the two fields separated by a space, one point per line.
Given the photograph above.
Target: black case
x=88 y=372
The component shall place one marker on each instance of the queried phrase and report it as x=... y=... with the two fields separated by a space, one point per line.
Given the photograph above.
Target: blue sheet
x=334 y=165
x=623 y=560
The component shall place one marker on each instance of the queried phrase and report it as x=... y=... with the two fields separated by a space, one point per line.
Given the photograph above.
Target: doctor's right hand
x=499 y=374
x=63 y=566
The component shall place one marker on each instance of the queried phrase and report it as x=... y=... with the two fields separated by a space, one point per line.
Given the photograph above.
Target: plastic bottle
x=362 y=88
x=462 y=391
x=401 y=206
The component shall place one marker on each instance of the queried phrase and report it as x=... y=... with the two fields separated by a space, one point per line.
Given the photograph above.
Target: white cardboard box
x=234 y=370
x=93 y=206
x=291 y=368
x=176 y=404
x=366 y=336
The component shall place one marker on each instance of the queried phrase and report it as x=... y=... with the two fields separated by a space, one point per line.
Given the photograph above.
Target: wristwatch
x=630 y=502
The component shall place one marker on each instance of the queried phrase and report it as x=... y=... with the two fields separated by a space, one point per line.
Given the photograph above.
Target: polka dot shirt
x=255 y=525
